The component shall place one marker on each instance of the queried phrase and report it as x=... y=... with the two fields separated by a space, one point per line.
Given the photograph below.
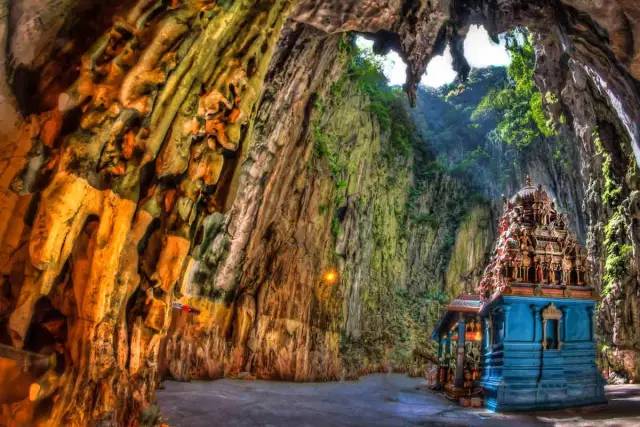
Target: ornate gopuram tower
x=538 y=329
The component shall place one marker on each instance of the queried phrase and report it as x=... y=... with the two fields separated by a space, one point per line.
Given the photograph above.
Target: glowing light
x=473 y=336
x=330 y=277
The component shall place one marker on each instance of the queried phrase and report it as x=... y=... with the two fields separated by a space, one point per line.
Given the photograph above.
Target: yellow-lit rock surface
x=92 y=261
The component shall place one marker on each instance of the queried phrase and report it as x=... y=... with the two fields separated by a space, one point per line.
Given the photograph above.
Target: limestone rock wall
x=267 y=254
x=120 y=161
x=469 y=255
x=384 y=323
x=609 y=176
x=333 y=195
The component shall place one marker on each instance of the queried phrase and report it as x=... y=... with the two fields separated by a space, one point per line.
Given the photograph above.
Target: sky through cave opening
x=479 y=50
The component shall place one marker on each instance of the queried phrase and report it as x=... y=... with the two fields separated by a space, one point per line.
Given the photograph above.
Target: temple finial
x=527 y=181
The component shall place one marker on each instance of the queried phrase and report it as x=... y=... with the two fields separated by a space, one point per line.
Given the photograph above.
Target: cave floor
x=374 y=400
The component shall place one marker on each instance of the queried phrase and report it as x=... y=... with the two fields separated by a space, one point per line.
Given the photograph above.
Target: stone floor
x=375 y=400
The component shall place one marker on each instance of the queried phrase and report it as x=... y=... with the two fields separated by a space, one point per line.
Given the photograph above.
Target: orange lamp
x=330 y=277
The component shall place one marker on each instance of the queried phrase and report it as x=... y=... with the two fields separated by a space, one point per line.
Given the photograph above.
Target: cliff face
x=608 y=168
x=267 y=253
x=339 y=196
x=216 y=155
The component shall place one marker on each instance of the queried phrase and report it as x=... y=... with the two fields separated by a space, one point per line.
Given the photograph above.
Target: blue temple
x=539 y=353
x=526 y=340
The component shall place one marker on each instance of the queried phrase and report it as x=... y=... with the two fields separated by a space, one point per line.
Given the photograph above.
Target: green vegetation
x=364 y=69
x=612 y=191
x=326 y=146
x=520 y=103
x=617 y=254
x=428 y=219
x=394 y=322
x=394 y=331
x=457 y=142
x=323 y=143
x=363 y=74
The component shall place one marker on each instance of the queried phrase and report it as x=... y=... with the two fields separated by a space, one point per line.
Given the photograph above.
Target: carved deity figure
x=539 y=273
x=556 y=270
x=580 y=264
x=567 y=266
x=518 y=271
x=526 y=265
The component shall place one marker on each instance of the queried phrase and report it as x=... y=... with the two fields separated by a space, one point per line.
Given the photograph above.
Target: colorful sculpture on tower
x=535 y=254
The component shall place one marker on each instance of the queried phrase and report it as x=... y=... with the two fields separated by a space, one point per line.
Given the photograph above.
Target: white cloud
x=440 y=70
x=481 y=51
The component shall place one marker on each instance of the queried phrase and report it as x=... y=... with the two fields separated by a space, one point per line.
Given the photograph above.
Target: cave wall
x=268 y=252
x=109 y=181
x=334 y=194
x=164 y=151
x=608 y=169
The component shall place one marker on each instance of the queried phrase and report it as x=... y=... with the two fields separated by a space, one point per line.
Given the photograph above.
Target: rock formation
x=179 y=152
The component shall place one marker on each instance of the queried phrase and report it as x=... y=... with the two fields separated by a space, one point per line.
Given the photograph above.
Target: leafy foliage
x=520 y=103
x=617 y=254
x=363 y=74
x=390 y=315
x=612 y=191
x=458 y=143
x=385 y=102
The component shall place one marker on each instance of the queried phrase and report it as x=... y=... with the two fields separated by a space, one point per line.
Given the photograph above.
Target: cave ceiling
x=600 y=35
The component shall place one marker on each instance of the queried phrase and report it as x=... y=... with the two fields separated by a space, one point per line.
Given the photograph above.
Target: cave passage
x=313 y=192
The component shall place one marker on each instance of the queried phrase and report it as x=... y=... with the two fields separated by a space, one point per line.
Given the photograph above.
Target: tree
x=520 y=103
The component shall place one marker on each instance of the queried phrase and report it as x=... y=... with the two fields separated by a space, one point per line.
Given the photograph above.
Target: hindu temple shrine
x=535 y=307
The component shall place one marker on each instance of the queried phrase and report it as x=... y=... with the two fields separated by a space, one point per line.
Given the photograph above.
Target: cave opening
x=315 y=191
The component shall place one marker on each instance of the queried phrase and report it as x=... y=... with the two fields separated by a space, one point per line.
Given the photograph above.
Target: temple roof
x=535 y=253
x=462 y=304
x=527 y=191
x=466 y=304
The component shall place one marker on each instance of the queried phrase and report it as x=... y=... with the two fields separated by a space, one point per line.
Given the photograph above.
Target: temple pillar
x=486 y=342
x=590 y=317
x=505 y=323
x=537 y=325
x=459 y=378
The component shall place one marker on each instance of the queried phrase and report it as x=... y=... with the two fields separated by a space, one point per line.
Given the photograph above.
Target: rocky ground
x=374 y=400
